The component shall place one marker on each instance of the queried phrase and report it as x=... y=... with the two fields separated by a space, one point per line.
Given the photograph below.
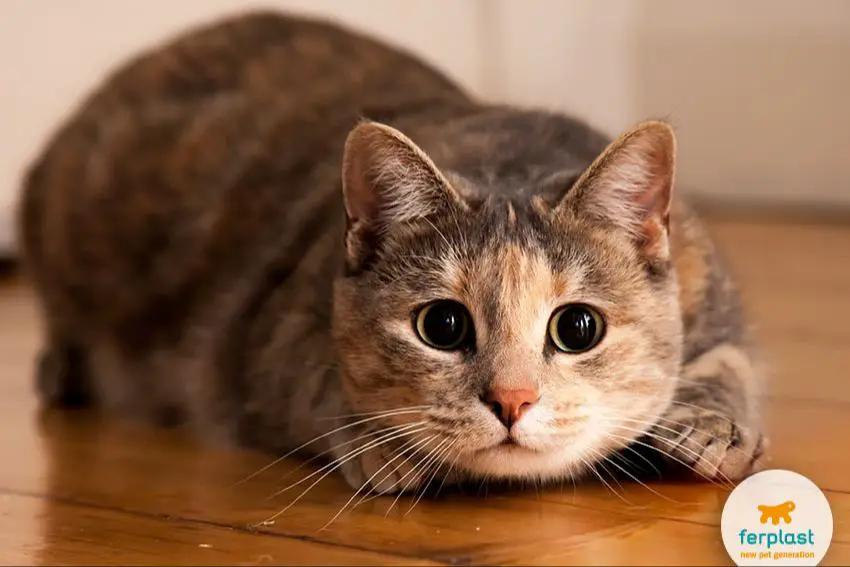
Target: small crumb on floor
x=204 y=545
x=477 y=528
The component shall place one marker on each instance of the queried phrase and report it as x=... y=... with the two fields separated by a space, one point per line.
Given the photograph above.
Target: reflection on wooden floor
x=76 y=490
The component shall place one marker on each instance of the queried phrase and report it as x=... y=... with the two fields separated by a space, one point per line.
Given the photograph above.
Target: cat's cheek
x=629 y=413
x=562 y=441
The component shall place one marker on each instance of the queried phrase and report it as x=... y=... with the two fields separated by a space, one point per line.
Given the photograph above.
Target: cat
x=289 y=236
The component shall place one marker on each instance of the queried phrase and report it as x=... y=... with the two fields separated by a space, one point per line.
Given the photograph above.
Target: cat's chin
x=511 y=460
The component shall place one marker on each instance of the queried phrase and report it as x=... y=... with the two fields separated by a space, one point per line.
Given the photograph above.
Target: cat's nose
x=510 y=405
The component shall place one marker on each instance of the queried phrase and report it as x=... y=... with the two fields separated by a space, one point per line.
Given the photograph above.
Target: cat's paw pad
x=711 y=444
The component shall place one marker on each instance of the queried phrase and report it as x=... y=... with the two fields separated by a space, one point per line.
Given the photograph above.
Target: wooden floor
x=77 y=491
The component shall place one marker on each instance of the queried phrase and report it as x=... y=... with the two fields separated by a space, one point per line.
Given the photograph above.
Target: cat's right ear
x=630 y=187
x=388 y=182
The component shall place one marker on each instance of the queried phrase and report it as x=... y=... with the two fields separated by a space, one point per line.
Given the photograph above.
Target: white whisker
x=700 y=408
x=601 y=460
x=667 y=454
x=592 y=469
x=413 y=471
x=389 y=436
x=637 y=480
x=398 y=454
x=328 y=434
x=387 y=413
x=344 y=444
x=439 y=462
x=637 y=454
x=449 y=472
x=369 y=497
x=677 y=442
x=338 y=463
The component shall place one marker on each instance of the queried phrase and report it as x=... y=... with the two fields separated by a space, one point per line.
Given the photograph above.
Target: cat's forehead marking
x=528 y=289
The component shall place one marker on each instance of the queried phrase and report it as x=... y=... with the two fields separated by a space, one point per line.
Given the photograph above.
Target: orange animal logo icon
x=775 y=513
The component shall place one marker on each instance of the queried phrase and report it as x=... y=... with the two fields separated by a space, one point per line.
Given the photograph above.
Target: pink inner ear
x=642 y=165
x=654 y=244
x=655 y=198
x=388 y=180
x=630 y=184
x=361 y=199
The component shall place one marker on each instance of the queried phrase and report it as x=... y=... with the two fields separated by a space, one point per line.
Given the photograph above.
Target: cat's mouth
x=510 y=443
x=512 y=457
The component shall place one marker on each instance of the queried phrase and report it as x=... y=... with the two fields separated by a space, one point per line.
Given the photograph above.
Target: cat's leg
x=375 y=472
x=393 y=460
x=62 y=378
x=389 y=468
x=713 y=426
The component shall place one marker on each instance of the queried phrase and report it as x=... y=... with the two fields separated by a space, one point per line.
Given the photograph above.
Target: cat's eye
x=444 y=325
x=576 y=328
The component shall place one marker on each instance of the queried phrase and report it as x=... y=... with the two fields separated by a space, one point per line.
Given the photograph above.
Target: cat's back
x=268 y=54
x=272 y=55
x=191 y=160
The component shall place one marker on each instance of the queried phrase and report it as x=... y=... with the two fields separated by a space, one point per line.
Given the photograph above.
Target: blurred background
x=758 y=90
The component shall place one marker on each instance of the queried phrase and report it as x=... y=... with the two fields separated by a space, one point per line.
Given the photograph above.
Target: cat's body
x=200 y=262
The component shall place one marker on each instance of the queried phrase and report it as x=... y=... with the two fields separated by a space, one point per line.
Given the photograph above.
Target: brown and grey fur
x=233 y=231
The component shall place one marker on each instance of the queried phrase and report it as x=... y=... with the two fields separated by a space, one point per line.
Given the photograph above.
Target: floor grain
x=79 y=489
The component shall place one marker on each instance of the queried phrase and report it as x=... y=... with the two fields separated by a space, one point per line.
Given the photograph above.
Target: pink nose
x=510 y=405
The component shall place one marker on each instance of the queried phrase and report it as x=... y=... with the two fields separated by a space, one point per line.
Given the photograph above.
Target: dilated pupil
x=443 y=324
x=576 y=328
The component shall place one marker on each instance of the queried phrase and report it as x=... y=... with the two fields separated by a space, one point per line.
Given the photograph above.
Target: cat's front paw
x=713 y=445
x=380 y=472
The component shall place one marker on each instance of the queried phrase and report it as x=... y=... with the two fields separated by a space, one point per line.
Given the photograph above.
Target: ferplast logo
x=777 y=517
x=776 y=513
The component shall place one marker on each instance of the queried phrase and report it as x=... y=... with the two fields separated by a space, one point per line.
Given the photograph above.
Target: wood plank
x=145 y=470
x=76 y=488
x=795 y=279
x=36 y=531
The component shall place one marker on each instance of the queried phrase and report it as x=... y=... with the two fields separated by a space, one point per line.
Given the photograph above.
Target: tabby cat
x=288 y=236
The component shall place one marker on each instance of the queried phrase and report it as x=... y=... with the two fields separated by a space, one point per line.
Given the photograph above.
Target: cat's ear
x=630 y=185
x=388 y=182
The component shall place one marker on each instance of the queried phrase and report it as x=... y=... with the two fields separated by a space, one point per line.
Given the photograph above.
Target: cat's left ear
x=388 y=183
x=629 y=187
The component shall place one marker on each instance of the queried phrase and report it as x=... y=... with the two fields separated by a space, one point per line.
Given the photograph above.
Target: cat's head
x=514 y=339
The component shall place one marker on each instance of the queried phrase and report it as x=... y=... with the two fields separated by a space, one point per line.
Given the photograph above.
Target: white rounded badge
x=777 y=517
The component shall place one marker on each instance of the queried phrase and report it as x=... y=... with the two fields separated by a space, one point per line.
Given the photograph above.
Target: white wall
x=757 y=89
x=52 y=51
